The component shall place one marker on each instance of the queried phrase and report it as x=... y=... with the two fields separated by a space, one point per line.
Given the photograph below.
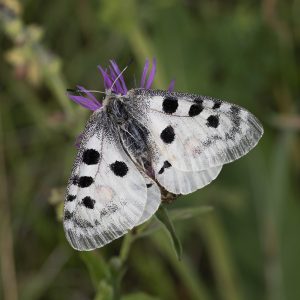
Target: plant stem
x=125 y=248
x=9 y=279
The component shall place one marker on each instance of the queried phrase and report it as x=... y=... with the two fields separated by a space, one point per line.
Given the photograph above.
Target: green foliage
x=139 y=296
x=247 y=246
x=163 y=217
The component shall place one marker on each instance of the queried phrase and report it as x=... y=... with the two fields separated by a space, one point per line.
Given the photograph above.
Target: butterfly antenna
x=118 y=77
x=95 y=91
x=79 y=92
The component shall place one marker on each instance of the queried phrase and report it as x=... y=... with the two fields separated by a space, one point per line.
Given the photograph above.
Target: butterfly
x=144 y=146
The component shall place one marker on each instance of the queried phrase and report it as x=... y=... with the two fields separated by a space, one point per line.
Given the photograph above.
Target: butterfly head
x=111 y=95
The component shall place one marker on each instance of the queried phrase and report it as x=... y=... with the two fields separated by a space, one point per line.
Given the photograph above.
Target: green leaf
x=97 y=267
x=163 y=217
x=188 y=213
x=104 y=291
x=139 y=296
x=175 y=215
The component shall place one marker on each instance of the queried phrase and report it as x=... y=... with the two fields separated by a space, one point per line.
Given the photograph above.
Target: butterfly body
x=145 y=147
x=133 y=135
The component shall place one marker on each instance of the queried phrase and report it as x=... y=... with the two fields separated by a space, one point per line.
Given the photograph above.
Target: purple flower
x=114 y=81
x=88 y=101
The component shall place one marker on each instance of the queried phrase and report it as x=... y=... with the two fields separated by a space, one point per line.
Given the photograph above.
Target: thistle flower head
x=114 y=82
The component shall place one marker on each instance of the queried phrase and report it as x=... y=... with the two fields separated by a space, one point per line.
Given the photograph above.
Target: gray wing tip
x=256 y=128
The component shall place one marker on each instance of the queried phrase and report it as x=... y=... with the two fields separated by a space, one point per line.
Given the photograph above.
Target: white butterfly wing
x=192 y=136
x=182 y=182
x=193 y=132
x=106 y=195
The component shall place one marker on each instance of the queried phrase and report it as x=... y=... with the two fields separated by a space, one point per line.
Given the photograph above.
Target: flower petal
x=145 y=71
x=85 y=102
x=117 y=85
x=90 y=96
x=151 y=75
x=106 y=78
x=121 y=78
x=171 y=86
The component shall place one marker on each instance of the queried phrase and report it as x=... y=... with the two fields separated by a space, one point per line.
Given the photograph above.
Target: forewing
x=106 y=195
x=194 y=132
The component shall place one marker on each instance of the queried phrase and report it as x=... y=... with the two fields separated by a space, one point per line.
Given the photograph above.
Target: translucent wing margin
x=153 y=200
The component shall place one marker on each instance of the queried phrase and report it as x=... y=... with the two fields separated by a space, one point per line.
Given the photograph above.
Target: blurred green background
x=248 y=245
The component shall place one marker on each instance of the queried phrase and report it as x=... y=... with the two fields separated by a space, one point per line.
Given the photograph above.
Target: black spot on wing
x=149 y=185
x=195 y=110
x=217 y=104
x=90 y=156
x=75 y=180
x=170 y=105
x=165 y=166
x=198 y=100
x=213 y=121
x=161 y=170
x=71 y=198
x=88 y=202
x=168 y=135
x=68 y=215
x=119 y=168
x=85 y=181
